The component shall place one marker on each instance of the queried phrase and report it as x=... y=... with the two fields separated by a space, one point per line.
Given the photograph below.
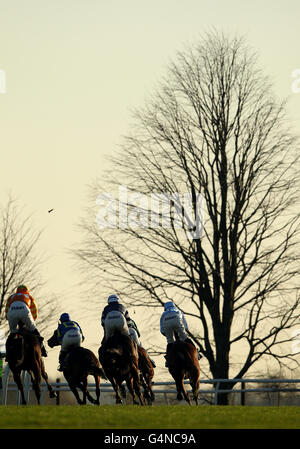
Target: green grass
x=157 y=417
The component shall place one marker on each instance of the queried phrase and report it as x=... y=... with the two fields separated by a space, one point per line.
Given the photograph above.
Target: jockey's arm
x=182 y=317
x=33 y=308
x=162 y=331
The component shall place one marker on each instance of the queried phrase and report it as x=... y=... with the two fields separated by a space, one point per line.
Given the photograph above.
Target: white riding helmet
x=169 y=305
x=112 y=298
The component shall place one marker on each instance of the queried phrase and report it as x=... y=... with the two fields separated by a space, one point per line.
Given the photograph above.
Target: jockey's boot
x=61 y=358
x=168 y=347
x=41 y=339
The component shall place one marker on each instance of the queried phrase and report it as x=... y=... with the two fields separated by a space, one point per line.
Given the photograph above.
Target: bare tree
x=20 y=261
x=215 y=130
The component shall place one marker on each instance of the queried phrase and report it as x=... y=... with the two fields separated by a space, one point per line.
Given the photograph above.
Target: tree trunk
x=223 y=398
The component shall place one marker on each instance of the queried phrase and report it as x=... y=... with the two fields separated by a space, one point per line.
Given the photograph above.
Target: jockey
x=134 y=332
x=68 y=335
x=21 y=306
x=173 y=321
x=114 y=317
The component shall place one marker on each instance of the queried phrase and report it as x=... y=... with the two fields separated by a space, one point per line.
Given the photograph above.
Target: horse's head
x=52 y=341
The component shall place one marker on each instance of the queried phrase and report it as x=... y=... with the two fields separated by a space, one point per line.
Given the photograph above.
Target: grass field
x=158 y=417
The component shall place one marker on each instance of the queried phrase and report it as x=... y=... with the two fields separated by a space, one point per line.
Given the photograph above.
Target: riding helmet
x=21 y=288
x=168 y=305
x=112 y=298
x=64 y=317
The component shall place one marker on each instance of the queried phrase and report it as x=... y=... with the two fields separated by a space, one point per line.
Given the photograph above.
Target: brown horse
x=118 y=356
x=78 y=365
x=182 y=358
x=23 y=353
x=146 y=374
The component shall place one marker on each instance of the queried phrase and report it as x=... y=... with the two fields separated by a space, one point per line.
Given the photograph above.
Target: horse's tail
x=97 y=371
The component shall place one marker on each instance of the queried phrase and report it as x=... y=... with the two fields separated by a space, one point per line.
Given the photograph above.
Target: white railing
x=107 y=388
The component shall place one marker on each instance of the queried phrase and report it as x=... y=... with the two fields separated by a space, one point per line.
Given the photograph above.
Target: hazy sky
x=75 y=69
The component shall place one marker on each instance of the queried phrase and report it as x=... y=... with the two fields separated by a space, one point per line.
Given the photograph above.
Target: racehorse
x=146 y=374
x=182 y=359
x=78 y=364
x=118 y=356
x=23 y=353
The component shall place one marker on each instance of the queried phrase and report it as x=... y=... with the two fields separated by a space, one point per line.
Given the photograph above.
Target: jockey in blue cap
x=68 y=334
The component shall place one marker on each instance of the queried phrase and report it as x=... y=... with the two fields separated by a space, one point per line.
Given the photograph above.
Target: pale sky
x=75 y=69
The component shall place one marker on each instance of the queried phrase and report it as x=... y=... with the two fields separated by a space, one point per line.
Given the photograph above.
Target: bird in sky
x=50 y=210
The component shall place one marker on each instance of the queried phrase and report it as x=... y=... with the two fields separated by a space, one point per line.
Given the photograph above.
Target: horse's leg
x=86 y=395
x=84 y=389
x=73 y=388
x=144 y=383
x=52 y=393
x=116 y=387
x=136 y=388
x=35 y=375
x=97 y=382
x=181 y=391
x=148 y=380
x=195 y=384
x=17 y=379
x=129 y=383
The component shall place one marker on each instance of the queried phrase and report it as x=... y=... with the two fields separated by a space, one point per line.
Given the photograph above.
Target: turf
x=158 y=417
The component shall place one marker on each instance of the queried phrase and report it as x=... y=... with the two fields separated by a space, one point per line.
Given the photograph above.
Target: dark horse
x=182 y=358
x=119 y=358
x=78 y=365
x=23 y=353
x=146 y=374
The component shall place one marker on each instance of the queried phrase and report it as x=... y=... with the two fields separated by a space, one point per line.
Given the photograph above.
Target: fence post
x=57 y=392
x=5 y=385
x=243 y=393
x=216 y=393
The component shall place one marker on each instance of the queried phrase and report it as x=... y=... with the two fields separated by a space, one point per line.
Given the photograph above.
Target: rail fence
x=163 y=388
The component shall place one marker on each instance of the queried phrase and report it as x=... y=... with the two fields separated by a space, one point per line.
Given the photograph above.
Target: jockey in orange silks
x=21 y=307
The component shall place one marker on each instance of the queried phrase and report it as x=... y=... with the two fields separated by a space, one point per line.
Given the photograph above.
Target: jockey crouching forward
x=68 y=335
x=173 y=321
x=21 y=307
x=114 y=317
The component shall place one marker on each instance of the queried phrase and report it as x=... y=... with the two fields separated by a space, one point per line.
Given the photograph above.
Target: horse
x=146 y=374
x=182 y=359
x=119 y=358
x=78 y=364
x=23 y=353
